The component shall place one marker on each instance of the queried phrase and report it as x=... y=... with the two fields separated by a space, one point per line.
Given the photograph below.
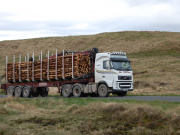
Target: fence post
x=13 y=68
x=6 y=68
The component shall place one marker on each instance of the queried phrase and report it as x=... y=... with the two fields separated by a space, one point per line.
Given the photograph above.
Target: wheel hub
x=26 y=91
x=18 y=91
x=76 y=91
x=102 y=90
x=66 y=91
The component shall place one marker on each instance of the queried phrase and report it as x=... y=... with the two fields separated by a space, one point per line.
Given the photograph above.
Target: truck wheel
x=77 y=91
x=44 y=91
x=121 y=94
x=10 y=91
x=103 y=90
x=26 y=91
x=18 y=91
x=66 y=91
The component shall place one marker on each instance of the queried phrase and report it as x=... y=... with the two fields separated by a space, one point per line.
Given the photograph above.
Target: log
x=81 y=65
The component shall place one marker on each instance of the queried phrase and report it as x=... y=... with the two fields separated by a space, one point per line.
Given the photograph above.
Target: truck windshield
x=124 y=65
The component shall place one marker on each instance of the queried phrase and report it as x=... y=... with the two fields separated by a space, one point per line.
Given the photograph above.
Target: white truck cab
x=114 y=70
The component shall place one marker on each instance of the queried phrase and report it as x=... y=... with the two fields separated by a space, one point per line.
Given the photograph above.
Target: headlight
x=116 y=84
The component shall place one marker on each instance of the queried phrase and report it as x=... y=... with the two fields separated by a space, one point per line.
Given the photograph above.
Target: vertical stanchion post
x=41 y=66
x=25 y=59
x=19 y=67
x=39 y=57
x=13 y=68
x=33 y=67
x=48 y=67
x=63 y=64
x=52 y=54
x=6 y=68
x=28 y=67
x=56 y=65
x=72 y=65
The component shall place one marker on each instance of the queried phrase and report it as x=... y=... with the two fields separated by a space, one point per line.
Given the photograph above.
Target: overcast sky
x=21 y=19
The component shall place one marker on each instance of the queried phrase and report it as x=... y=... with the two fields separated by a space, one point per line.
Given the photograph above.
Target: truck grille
x=124 y=77
x=125 y=85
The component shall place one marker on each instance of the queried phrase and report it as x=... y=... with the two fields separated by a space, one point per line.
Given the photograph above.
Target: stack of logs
x=81 y=66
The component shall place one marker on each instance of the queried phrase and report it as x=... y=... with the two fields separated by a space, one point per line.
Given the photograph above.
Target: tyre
x=26 y=91
x=121 y=94
x=66 y=91
x=77 y=91
x=10 y=91
x=103 y=90
x=35 y=92
x=44 y=92
x=18 y=91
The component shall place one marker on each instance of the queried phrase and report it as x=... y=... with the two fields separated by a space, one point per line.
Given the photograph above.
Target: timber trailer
x=106 y=73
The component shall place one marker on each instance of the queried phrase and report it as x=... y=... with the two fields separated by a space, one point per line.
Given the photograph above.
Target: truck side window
x=104 y=64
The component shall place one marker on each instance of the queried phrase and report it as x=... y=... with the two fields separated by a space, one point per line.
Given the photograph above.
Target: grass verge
x=87 y=116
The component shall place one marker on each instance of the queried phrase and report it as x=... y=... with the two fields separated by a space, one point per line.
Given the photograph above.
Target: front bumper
x=121 y=90
x=122 y=86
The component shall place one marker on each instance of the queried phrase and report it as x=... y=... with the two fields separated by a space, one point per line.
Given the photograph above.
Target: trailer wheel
x=66 y=91
x=10 y=91
x=35 y=92
x=103 y=90
x=77 y=91
x=18 y=91
x=44 y=91
x=26 y=91
x=121 y=94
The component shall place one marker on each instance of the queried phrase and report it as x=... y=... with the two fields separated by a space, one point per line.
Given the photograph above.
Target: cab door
x=103 y=72
x=107 y=73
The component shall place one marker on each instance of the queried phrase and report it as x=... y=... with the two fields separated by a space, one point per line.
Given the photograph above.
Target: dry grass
x=54 y=116
x=155 y=55
x=156 y=75
x=53 y=91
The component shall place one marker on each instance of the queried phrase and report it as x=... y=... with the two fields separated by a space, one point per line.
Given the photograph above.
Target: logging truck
x=78 y=74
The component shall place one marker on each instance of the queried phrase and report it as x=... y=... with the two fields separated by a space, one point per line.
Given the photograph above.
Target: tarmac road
x=142 y=98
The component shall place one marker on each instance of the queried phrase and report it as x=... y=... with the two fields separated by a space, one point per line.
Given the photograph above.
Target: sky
x=24 y=19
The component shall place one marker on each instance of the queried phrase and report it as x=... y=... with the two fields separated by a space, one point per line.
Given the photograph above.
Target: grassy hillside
x=155 y=56
x=74 y=116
